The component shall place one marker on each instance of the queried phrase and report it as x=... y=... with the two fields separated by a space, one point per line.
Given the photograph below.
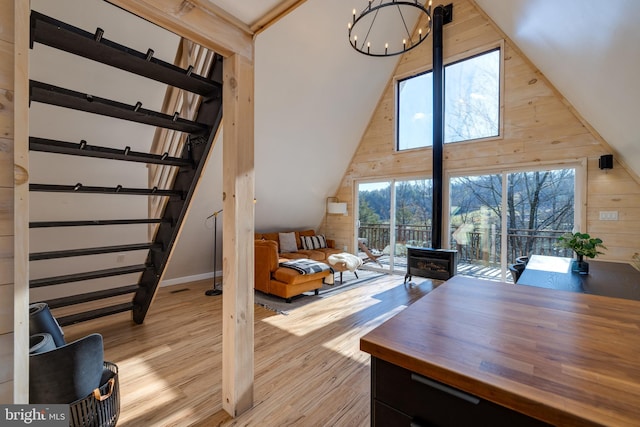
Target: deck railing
x=481 y=245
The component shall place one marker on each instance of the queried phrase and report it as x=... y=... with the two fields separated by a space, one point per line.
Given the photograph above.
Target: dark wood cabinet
x=401 y=397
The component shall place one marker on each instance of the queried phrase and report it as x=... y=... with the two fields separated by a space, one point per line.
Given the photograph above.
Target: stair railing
x=168 y=141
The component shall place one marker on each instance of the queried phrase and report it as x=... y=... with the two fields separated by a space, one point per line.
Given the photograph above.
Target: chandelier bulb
x=402 y=6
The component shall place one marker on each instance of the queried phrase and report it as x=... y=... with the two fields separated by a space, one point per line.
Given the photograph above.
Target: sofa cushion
x=313 y=242
x=288 y=242
x=316 y=256
x=267 y=252
x=328 y=251
x=267 y=236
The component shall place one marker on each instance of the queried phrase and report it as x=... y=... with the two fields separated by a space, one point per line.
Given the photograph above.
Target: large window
x=472 y=103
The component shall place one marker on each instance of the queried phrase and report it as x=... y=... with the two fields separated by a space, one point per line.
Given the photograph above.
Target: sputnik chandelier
x=369 y=31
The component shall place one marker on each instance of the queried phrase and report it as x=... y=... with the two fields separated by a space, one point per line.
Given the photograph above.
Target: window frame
x=580 y=192
x=454 y=59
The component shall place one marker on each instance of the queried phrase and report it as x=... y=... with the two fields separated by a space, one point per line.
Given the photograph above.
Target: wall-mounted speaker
x=606 y=161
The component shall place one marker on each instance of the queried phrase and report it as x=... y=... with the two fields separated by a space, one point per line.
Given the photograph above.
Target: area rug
x=349 y=281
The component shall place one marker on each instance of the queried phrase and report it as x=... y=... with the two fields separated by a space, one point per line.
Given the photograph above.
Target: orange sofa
x=285 y=282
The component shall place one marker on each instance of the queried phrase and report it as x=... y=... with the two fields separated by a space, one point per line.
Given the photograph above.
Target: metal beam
x=441 y=16
x=47 y=224
x=57 y=34
x=82 y=149
x=61 y=97
x=79 y=188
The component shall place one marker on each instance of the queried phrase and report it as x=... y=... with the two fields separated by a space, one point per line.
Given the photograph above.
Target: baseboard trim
x=187 y=279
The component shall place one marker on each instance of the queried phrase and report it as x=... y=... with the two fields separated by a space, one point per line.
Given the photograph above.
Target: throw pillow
x=313 y=242
x=288 y=242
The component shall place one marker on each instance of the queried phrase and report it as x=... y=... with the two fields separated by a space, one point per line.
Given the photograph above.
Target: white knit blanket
x=351 y=261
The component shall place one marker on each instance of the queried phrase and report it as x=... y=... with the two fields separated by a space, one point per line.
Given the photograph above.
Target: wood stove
x=440 y=264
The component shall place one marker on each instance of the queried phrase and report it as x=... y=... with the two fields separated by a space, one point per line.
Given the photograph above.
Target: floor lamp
x=214 y=291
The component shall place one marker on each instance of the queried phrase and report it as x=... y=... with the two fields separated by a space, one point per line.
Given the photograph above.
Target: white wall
x=193 y=254
x=314 y=97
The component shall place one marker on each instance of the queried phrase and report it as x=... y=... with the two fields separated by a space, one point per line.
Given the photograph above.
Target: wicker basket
x=102 y=407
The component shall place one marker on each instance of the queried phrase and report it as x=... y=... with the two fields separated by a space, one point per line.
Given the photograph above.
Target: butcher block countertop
x=565 y=358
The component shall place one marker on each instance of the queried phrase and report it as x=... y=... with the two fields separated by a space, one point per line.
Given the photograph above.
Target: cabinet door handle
x=445 y=388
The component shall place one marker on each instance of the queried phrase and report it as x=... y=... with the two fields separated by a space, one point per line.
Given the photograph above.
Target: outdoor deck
x=464 y=268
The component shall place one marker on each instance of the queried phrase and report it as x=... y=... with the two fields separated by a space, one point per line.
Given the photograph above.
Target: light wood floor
x=309 y=370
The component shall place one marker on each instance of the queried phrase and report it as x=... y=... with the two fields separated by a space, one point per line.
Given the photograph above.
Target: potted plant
x=584 y=246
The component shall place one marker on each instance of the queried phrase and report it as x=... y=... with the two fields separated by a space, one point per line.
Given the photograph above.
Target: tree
x=366 y=214
x=538 y=202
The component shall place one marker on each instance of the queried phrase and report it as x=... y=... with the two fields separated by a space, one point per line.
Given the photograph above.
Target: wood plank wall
x=6 y=201
x=539 y=126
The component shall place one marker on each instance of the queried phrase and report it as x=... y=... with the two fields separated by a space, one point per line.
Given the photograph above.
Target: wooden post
x=21 y=204
x=197 y=21
x=238 y=235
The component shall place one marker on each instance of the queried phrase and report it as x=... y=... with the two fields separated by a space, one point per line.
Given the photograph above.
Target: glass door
x=413 y=206
x=475 y=222
x=540 y=209
x=534 y=207
x=373 y=225
x=392 y=215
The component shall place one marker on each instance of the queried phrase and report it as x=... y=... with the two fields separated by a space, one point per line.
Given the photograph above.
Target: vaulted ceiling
x=314 y=95
x=589 y=51
x=313 y=90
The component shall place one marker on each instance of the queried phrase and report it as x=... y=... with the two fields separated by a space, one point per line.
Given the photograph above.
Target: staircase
x=177 y=165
